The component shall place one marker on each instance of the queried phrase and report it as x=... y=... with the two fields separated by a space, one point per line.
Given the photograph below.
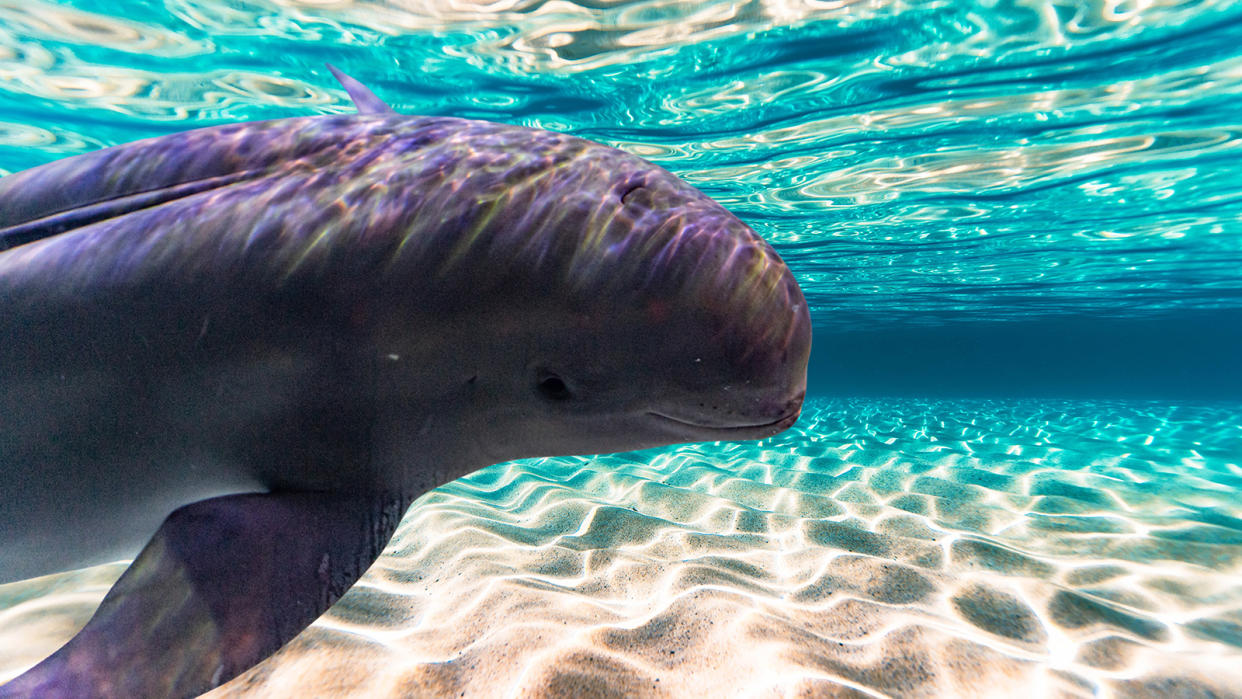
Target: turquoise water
x=915 y=162
x=1024 y=217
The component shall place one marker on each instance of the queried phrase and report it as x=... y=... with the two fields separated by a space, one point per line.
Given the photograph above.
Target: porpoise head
x=624 y=308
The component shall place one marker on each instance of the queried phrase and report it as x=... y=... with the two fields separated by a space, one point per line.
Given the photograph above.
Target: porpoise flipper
x=364 y=99
x=224 y=583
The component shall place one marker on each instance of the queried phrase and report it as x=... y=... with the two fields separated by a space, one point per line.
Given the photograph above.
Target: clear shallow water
x=879 y=548
x=1005 y=198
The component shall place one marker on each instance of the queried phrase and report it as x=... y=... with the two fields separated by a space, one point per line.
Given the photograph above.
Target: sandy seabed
x=880 y=548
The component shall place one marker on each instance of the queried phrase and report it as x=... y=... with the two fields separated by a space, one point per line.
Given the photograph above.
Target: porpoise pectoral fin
x=223 y=584
x=364 y=99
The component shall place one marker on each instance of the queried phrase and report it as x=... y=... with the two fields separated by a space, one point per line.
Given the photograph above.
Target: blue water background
x=994 y=198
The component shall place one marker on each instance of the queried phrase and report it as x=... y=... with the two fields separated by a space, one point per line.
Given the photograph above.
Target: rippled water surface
x=1069 y=169
x=914 y=161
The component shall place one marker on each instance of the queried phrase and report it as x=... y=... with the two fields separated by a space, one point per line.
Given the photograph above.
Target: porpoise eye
x=553 y=387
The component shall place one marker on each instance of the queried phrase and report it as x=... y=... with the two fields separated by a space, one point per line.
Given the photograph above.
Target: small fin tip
x=364 y=99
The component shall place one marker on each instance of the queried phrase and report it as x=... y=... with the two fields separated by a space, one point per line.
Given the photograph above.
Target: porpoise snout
x=781 y=349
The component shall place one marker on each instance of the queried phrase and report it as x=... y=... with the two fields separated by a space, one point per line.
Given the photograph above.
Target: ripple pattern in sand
x=881 y=548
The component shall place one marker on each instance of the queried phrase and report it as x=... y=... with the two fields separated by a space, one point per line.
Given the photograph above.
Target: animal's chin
x=705 y=432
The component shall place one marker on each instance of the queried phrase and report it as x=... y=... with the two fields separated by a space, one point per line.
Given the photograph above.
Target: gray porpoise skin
x=250 y=347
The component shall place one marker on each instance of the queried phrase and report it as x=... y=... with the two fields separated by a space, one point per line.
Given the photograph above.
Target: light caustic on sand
x=882 y=547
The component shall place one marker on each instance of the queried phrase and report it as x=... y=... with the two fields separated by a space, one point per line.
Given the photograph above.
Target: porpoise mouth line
x=781 y=422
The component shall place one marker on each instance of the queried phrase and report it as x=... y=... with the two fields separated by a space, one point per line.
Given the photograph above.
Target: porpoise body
x=251 y=347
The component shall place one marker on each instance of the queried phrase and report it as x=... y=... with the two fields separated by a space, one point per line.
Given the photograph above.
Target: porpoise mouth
x=743 y=431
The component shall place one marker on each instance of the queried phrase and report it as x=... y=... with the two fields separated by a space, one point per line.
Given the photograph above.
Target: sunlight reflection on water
x=950 y=160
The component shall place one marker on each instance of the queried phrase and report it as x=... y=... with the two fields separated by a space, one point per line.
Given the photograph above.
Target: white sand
x=881 y=548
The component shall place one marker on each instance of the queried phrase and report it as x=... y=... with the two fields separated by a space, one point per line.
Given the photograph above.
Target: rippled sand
x=881 y=548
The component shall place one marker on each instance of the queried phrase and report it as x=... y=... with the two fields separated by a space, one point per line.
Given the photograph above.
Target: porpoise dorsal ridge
x=365 y=100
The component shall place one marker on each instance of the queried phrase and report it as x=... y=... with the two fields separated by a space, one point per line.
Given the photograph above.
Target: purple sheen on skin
x=426 y=201
x=299 y=326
